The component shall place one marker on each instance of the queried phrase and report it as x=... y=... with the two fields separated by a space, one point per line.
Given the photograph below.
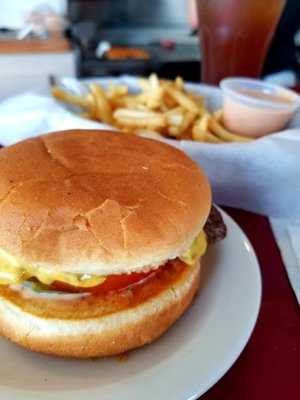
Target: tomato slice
x=112 y=282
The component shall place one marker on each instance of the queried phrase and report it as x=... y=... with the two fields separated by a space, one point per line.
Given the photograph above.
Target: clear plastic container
x=255 y=108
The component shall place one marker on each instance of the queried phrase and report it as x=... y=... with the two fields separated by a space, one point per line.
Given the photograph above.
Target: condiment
x=273 y=97
x=255 y=108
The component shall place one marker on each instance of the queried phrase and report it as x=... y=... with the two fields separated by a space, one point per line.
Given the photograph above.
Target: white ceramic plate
x=182 y=365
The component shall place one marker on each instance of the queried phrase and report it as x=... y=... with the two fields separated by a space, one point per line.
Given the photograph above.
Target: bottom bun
x=105 y=336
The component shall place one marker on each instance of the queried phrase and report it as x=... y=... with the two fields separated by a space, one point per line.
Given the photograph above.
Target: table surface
x=268 y=368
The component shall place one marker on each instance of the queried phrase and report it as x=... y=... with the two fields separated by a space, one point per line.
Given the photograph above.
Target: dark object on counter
x=215 y=228
x=125 y=53
x=282 y=54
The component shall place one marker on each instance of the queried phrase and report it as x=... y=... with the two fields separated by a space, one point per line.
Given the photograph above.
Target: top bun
x=99 y=202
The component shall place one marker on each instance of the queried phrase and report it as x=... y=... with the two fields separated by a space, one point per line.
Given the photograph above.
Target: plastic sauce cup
x=255 y=108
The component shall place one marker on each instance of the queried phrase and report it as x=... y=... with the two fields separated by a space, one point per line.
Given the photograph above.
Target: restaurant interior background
x=43 y=41
x=73 y=36
x=256 y=181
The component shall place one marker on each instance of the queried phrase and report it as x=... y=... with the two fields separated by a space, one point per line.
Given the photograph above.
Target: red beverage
x=235 y=36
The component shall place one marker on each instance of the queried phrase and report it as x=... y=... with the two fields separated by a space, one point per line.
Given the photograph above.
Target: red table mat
x=269 y=366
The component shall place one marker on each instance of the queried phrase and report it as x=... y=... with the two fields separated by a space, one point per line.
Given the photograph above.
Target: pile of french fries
x=161 y=109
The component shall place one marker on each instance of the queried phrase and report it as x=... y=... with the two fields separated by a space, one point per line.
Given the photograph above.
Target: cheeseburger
x=101 y=237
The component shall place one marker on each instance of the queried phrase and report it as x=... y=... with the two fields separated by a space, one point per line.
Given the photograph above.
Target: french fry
x=182 y=99
x=178 y=121
x=188 y=119
x=92 y=105
x=150 y=100
x=203 y=122
x=200 y=128
x=148 y=134
x=66 y=97
x=139 y=119
x=201 y=131
x=153 y=81
x=127 y=101
x=198 y=135
x=115 y=91
x=179 y=83
x=103 y=111
x=175 y=131
x=211 y=138
x=180 y=128
x=163 y=106
x=199 y=100
x=175 y=116
x=141 y=107
x=169 y=102
x=153 y=93
x=221 y=132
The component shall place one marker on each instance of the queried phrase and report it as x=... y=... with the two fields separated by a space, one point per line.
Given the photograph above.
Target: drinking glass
x=235 y=36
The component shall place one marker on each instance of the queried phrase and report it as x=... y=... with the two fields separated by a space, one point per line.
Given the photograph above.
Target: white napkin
x=30 y=114
x=262 y=176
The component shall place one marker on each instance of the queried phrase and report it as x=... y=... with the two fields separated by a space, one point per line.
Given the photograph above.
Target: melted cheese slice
x=12 y=272
x=196 y=250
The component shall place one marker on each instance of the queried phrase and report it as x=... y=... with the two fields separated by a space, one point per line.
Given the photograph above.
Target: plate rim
x=220 y=375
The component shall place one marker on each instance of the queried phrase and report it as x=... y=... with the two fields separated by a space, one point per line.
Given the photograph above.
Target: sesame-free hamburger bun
x=101 y=222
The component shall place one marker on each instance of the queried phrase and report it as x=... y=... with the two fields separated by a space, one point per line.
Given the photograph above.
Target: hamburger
x=101 y=238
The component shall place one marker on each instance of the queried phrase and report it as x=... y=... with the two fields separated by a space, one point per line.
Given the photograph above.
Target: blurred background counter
x=90 y=38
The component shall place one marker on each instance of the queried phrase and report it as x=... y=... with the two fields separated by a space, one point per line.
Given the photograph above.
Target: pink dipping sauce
x=254 y=108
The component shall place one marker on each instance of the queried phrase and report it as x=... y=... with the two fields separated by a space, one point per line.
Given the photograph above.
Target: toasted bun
x=99 y=202
x=108 y=335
